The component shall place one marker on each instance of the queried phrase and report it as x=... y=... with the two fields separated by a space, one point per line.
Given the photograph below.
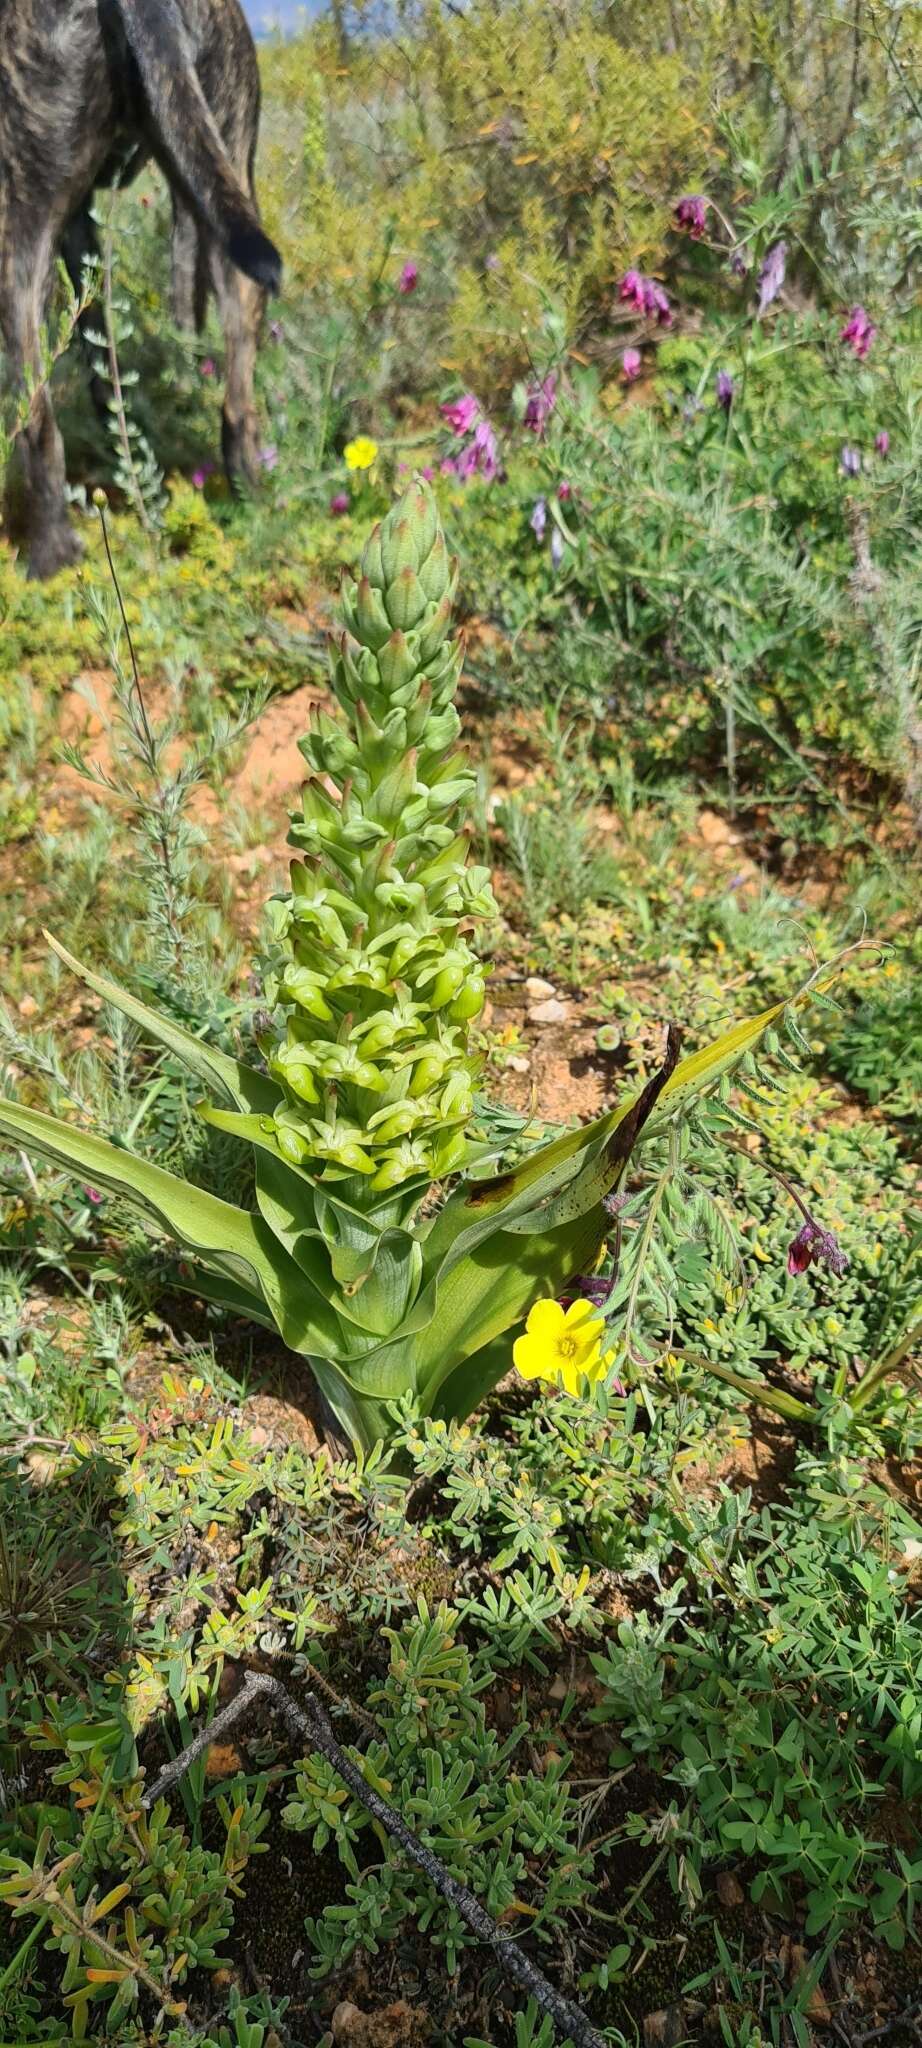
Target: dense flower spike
x=725 y=389
x=882 y=442
x=859 y=332
x=371 y=968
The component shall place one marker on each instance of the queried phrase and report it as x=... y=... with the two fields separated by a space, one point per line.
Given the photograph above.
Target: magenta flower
x=427 y=474
x=814 y=1246
x=631 y=364
x=462 y=413
x=480 y=455
x=200 y=476
x=538 y=520
x=408 y=279
x=539 y=404
x=691 y=213
x=859 y=332
x=646 y=296
x=207 y=367
x=93 y=1197
x=882 y=442
x=631 y=289
x=771 y=275
x=725 y=389
x=448 y=466
x=339 y=503
x=850 y=460
x=564 y=491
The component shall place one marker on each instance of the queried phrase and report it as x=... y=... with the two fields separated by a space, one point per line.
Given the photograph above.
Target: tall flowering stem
x=372 y=970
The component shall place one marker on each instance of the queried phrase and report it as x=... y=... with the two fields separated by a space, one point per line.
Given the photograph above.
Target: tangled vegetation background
x=640 y=1661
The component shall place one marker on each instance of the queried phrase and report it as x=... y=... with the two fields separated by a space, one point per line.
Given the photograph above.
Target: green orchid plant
x=389 y=1287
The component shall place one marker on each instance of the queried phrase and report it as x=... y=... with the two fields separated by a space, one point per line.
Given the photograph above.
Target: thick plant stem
x=756 y=1390
x=310 y=1724
x=876 y=1374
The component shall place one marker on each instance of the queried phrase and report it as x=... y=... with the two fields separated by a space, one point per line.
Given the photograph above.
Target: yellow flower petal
x=546 y=1320
x=360 y=453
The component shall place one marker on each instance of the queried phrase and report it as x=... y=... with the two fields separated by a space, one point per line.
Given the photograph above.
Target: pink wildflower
x=462 y=413
x=408 y=279
x=339 y=503
x=691 y=213
x=859 y=332
x=539 y=404
x=631 y=364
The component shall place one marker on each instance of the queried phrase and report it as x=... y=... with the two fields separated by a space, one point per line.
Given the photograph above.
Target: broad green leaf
x=494 y=1287
x=226 y=1238
x=246 y=1087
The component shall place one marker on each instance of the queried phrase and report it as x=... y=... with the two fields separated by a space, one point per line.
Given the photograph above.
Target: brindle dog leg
x=189 y=280
x=26 y=270
x=240 y=303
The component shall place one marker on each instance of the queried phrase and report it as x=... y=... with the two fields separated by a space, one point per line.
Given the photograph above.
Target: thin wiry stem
x=309 y=1723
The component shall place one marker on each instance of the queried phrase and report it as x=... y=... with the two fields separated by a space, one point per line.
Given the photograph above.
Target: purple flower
x=858 y=332
x=276 y=330
x=564 y=491
x=739 y=264
x=268 y=456
x=725 y=389
x=631 y=364
x=93 y=1197
x=882 y=442
x=631 y=289
x=646 y=296
x=658 y=303
x=206 y=369
x=479 y=457
x=339 y=503
x=484 y=453
x=408 y=279
x=427 y=474
x=850 y=460
x=556 y=547
x=588 y=1287
x=771 y=275
x=448 y=466
x=539 y=404
x=538 y=520
x=814 y=1246
x=691 y=213
x=492 y=262
x=462 y=413
x=200 y=476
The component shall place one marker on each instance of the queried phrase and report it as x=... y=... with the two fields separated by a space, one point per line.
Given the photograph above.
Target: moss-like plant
x=367 y=1098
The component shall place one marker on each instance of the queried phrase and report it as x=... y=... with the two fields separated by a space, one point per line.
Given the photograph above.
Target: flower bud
x=405 y=599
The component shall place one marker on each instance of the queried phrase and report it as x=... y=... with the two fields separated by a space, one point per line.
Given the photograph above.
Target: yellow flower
x=562 y=1345
x=360 y=454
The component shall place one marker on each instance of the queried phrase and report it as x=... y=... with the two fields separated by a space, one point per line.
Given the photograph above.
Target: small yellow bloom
x=361 y=453
x=562 y=1345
